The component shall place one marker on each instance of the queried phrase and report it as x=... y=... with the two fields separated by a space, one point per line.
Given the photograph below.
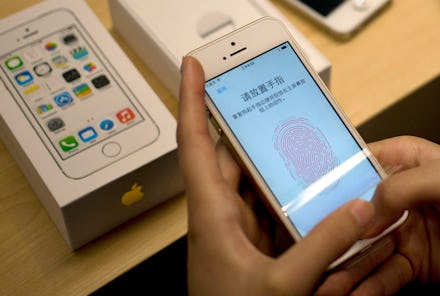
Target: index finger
x=404 y=152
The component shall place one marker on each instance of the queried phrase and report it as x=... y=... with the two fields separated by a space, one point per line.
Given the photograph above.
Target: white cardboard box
x=85 y=208
x=162 y=32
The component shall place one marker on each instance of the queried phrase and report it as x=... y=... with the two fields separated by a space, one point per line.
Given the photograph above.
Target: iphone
x=280 y=120
x=71 y=95
x=341 y=17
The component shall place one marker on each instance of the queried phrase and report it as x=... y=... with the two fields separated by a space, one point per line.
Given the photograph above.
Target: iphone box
x=94 y=141
x=162 y=32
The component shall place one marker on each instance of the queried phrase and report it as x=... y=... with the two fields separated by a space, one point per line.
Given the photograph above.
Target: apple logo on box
x=132 y=196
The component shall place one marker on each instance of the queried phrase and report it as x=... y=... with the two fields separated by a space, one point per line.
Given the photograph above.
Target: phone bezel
x=92 y=159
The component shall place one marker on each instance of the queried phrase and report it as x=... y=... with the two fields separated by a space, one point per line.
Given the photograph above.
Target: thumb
x=327 y=241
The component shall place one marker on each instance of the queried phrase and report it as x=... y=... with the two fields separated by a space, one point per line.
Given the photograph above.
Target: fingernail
x=362 y=211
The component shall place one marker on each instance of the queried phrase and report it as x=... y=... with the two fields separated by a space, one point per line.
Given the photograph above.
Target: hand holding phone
x=228 y=233
x=286 y=129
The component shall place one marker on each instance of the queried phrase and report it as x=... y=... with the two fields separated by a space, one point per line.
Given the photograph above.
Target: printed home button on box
x=111 y=149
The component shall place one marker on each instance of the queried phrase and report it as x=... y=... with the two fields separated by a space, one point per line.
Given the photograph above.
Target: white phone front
x=282 y=122
x=341 y=17
x=70 y=93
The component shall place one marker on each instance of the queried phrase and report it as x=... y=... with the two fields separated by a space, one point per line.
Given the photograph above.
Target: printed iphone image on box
x=71 y=95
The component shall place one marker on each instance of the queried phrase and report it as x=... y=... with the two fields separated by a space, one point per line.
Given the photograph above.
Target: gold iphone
x=293 y=140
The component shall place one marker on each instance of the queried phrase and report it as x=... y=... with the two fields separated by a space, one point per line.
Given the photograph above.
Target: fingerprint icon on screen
x=304 y=149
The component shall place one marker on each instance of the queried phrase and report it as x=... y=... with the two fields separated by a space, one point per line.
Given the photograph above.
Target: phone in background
x=277 y=116
x=74 y=99
x=341 y=17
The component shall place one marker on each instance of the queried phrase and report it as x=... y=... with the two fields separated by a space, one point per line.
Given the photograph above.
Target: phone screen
x=322 y=7
x=294 y=137
x=69 y=91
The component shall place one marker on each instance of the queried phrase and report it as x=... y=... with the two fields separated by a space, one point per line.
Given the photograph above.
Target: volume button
x=214 y=123
x=216 y=126
x=208 y=113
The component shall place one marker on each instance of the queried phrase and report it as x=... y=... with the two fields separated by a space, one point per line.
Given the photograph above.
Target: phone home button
x=360 y=4
x=111 y=149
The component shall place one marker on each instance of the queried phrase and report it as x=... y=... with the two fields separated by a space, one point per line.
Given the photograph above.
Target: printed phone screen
x=69 y=90
x=293 y=136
